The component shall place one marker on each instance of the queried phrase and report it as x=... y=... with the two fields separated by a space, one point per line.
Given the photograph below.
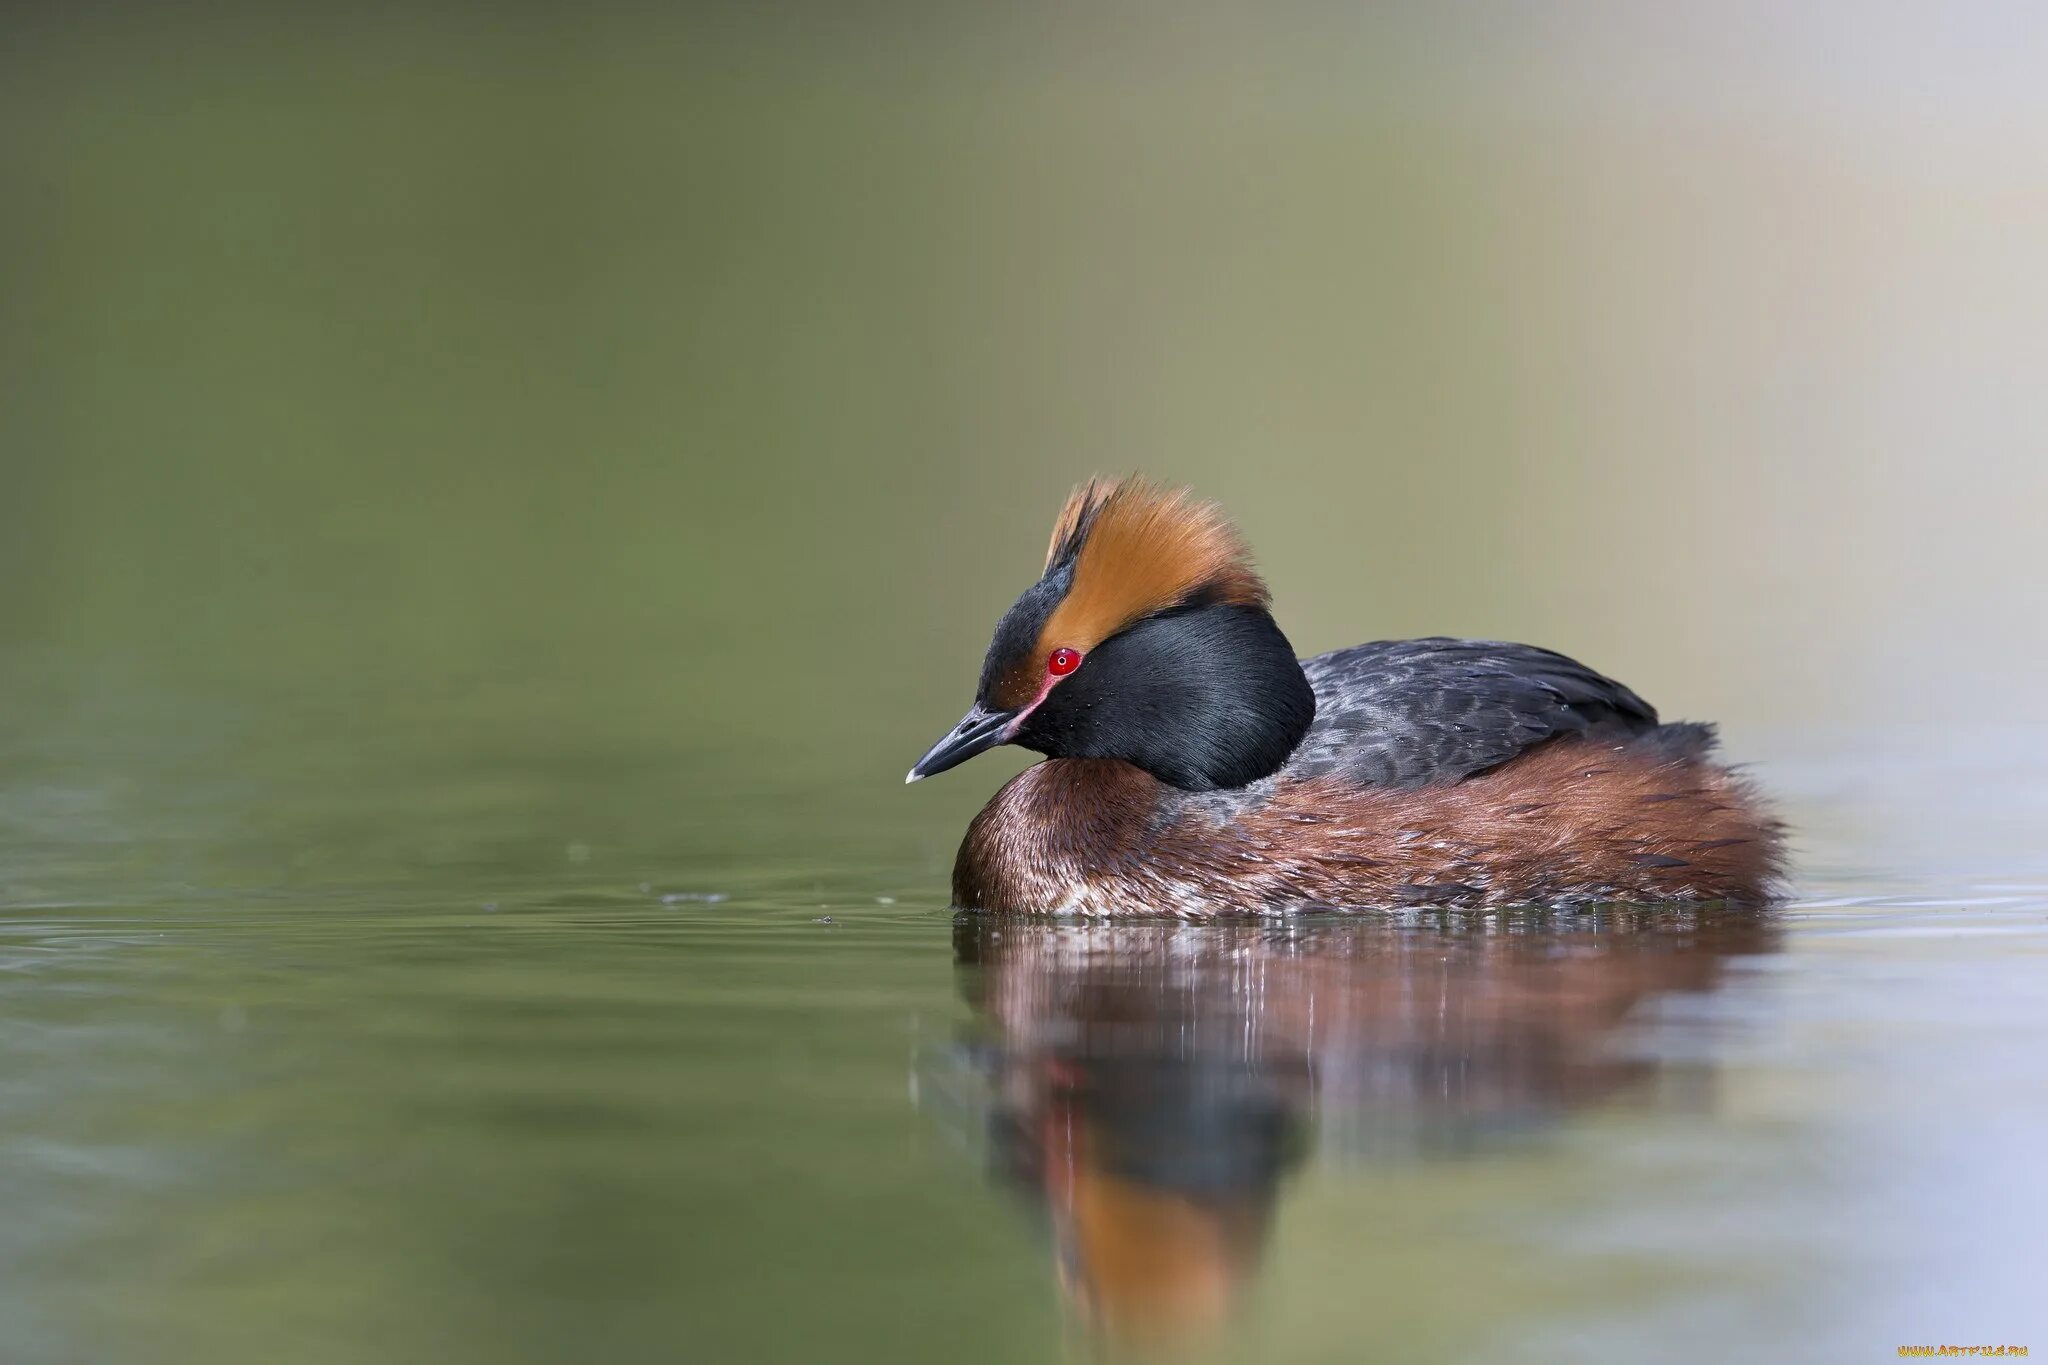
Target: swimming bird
x=1195 y=767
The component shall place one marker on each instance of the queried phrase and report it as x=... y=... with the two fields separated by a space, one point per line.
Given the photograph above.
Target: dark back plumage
x=1409 y=713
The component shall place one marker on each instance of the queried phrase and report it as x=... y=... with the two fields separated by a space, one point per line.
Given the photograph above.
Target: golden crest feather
x=1137 y=548
x=1131 y=548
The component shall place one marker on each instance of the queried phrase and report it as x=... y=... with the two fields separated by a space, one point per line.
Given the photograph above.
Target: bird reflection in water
x=1147 y=1086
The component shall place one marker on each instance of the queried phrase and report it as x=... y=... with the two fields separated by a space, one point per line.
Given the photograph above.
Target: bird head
x=1147 y=639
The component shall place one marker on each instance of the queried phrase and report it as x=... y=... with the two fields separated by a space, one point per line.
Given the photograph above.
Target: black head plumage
x=1200 y=697
x=1147 y=639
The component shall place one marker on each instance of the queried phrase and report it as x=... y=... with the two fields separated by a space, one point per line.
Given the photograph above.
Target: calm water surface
x=456 y=1042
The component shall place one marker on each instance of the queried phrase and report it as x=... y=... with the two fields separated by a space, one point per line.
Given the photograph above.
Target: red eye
x=1062 y=662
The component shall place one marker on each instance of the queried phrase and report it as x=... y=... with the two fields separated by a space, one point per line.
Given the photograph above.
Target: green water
x=473 y=1040
x=490 y=508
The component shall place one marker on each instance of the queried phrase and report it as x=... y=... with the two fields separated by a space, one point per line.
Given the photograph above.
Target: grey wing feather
x=1414 y=712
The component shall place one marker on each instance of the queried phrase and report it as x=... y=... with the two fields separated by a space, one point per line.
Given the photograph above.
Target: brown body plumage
x=1198 y=769
x=1568 y=821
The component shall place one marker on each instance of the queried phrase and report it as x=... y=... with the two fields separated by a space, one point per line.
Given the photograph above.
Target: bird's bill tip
x=981 y=729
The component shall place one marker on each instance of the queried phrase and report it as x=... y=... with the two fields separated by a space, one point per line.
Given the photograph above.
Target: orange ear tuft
x=1137 y=548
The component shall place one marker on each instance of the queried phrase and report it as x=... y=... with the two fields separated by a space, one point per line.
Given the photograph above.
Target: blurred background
x=732 y=366
x=537 y=460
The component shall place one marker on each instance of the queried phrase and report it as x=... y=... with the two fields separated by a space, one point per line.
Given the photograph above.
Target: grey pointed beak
x=980 y=729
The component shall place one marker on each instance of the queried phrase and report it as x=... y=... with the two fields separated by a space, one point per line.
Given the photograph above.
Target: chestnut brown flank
x=1567 y=821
